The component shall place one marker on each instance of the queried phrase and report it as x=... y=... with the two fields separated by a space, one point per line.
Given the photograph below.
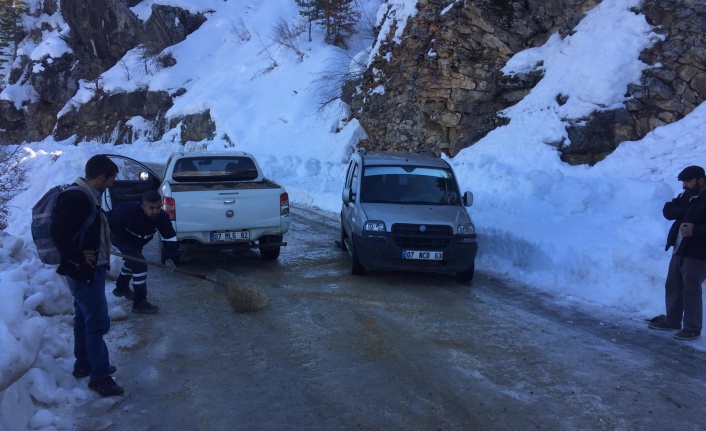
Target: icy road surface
x=386 y=351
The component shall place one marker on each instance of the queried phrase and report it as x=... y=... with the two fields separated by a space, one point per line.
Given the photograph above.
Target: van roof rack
x=427 y=152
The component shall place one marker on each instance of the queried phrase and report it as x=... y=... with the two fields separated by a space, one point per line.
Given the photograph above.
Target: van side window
x=349 y=174
x=354 y=178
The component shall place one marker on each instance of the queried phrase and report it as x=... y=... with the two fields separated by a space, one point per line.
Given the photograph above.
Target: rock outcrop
x=101 y=32
x=438 y=86
x=443 y=87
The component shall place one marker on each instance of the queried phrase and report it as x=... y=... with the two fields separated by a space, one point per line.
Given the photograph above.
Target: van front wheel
x=342 y=243
x=356 y=267
x=466 y=276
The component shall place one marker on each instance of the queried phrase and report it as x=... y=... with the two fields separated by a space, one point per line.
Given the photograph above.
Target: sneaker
x=106 y=387
x=85 y=372
x=126 y=292
x=686 y=335
x=663 y=326
x=144 y=307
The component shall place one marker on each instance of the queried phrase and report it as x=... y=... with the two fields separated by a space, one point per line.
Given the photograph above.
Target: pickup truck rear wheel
x=466 y=276
x=269 y=253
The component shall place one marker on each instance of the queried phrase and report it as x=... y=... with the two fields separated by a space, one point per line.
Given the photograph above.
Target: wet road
x=386 y=351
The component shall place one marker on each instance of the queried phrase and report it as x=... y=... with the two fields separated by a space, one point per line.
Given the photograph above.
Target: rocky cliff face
x=443 y=85
x=101 y=32
x=449 y=100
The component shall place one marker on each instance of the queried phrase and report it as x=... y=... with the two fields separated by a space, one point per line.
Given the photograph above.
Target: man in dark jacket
x=84 y=260
x=132 y=226
x=687 y=268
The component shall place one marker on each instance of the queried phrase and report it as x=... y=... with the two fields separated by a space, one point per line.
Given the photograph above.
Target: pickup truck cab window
x=190 y=169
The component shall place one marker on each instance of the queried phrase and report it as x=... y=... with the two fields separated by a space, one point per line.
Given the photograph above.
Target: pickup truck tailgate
x=226 y=210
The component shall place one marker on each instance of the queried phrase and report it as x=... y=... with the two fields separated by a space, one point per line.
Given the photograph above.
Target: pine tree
x=310 y=10
x=11 y=29
x=340 y=18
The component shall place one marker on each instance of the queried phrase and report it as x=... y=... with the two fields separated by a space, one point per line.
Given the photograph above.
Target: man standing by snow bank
x=687 y=268
x=132 y=226
x=84 y=261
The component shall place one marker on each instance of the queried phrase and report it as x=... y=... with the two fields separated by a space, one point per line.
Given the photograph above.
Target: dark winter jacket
x=73 y=207
x=130 y=224
x=687 y=208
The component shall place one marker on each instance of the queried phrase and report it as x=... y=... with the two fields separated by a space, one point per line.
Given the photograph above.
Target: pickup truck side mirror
x=467 y=199
x=347 y=195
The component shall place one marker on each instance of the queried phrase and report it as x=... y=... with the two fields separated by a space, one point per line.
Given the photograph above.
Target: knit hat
x=691 y=172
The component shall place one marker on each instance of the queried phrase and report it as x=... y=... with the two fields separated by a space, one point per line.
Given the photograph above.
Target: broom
x=243 y=298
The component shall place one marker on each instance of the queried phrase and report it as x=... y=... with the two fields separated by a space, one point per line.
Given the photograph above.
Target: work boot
x=85 y=372
x=122 y=287
x=140 y=305
x=106 y=387
x=144 y=307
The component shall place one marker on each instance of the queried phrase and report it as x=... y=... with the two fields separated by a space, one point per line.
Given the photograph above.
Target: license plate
x=423 y=255
x=243 y=235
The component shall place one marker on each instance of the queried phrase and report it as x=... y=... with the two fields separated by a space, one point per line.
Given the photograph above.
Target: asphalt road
x=386 y=351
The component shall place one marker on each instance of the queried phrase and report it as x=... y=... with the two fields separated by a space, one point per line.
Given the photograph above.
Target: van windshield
x=409 y=185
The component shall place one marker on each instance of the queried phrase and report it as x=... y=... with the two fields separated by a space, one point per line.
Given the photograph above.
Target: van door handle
x=229 y=201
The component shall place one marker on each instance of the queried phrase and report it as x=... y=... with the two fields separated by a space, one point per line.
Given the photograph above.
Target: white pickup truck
x=214 y=199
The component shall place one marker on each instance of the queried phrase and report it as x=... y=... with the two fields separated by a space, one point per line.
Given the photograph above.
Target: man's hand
x=90 y=257
x=687 y=230
x=170 y=263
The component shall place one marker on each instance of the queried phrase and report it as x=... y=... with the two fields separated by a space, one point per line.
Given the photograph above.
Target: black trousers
x=683 y=292
x=138 y=270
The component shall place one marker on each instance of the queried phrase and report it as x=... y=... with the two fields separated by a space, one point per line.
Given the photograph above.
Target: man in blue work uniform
x=132 y=226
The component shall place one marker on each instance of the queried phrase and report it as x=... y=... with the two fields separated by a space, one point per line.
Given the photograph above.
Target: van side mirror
x=467 y=199
x=347 y=195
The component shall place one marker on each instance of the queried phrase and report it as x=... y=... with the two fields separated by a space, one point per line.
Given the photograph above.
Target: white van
x=403 y=211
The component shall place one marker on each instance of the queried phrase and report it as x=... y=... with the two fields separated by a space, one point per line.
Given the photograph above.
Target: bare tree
x=288 y=35
x=241 y=31
x=273 y=62
x=13 y=179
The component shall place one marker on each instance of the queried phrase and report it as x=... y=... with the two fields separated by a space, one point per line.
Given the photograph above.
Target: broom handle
x=168 y=268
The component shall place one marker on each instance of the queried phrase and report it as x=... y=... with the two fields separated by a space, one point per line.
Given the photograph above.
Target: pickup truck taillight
x=283 y=204
x=169 y=207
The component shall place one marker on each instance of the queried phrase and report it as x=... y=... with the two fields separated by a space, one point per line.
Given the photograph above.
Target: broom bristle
x=244 y=297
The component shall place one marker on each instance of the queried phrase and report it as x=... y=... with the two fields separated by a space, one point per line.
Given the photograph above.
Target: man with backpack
x=85 y=256
x=132 y=226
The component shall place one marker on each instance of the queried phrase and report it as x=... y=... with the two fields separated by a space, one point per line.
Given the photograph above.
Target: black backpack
x=42 y=217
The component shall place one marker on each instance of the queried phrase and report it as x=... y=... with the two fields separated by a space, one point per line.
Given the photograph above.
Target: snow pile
x=587 y=235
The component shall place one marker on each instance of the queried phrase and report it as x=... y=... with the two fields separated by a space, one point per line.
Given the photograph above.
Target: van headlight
x=466 y=229
x=374 y=229
x=375 y=226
